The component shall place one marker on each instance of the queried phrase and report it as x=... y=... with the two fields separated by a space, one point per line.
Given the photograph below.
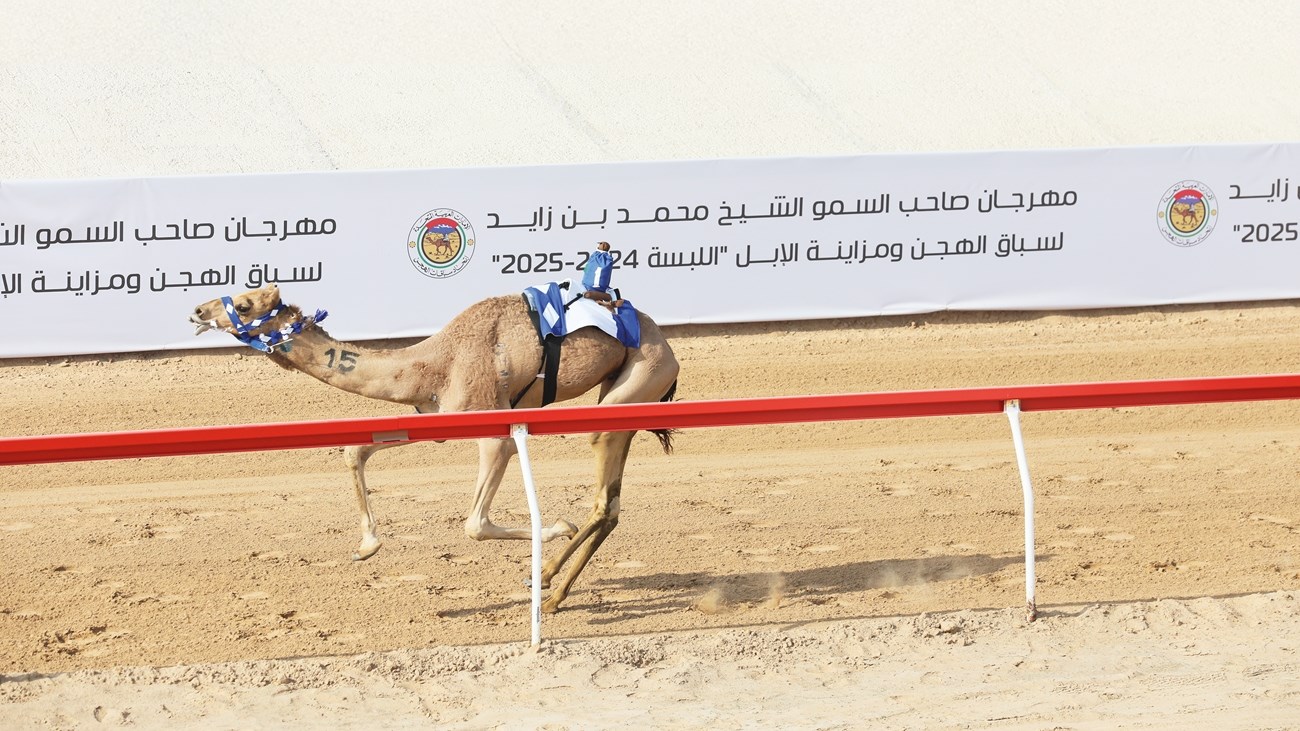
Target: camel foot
x=550 y=606
x=368 y=548
x=561 y=529
x=546 y=582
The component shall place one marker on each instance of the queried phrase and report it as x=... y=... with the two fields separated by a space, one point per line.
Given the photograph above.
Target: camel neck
x=386 y=374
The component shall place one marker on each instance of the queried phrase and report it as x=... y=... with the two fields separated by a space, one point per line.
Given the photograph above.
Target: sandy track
x=178 y=561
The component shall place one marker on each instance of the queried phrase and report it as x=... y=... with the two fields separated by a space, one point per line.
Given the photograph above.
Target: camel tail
x=665 y=436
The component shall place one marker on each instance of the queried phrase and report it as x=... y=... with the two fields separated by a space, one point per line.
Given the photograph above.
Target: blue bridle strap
x=266 y=342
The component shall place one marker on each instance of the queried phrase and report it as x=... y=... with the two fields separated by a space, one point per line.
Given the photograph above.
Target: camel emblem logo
x=1187 y=213
x=440 y=243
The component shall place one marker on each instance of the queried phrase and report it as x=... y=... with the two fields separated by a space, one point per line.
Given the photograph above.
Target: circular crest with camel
x=1187 y=213
x=440 y=243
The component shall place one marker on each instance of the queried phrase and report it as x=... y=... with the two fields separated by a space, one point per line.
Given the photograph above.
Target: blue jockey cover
x=598 y=270
x=550 y=302
x=627 y=324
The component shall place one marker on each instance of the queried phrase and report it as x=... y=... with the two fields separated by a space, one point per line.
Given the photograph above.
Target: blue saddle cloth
x=559 y=313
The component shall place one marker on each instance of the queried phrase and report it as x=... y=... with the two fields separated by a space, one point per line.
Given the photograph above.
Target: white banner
x=98 y=266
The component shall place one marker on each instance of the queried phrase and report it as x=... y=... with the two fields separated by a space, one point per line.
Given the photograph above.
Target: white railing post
x=1012 y=410
x=520 y=433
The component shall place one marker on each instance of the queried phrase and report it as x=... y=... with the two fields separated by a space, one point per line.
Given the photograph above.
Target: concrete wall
x=157 y=87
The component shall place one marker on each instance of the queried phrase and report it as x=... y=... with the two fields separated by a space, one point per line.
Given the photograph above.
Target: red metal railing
x=678 y=414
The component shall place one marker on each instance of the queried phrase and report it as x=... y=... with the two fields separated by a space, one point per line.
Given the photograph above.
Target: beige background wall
x=142 y=87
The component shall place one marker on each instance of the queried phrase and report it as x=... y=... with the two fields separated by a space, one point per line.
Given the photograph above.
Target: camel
x=440 y=244
x=486 y=356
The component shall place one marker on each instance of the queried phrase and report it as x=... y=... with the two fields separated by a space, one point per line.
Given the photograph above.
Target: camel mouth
x=201 y=326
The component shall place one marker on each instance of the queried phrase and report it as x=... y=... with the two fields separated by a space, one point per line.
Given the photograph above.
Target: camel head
x=257 y=318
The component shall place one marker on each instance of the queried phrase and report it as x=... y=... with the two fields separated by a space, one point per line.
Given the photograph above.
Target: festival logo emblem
x=440 y=243
x=1188 y=212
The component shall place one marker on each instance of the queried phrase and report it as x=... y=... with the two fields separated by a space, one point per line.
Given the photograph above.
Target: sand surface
x=849 y=575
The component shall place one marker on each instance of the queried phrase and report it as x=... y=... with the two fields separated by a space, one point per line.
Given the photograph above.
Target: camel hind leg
x=611 y=456
x=650 y=376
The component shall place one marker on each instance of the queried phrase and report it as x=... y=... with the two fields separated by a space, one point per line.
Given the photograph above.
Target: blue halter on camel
x=267 y=342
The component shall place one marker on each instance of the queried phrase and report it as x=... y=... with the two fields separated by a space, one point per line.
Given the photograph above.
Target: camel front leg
x=611 y=456
x=356 y=457
x=493 y=458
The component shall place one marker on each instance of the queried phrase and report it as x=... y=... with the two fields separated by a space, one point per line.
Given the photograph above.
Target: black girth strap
x=550 y=363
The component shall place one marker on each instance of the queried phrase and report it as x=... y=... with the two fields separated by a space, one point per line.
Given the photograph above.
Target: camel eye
x=243 y=309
